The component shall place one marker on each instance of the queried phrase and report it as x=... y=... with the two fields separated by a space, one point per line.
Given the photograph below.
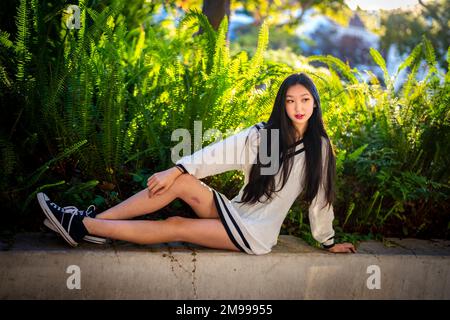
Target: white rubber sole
x=87 y=238
x=41 y=198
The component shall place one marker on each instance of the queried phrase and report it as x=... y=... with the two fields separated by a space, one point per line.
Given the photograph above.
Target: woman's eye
x=306 y=99
x=289 y=101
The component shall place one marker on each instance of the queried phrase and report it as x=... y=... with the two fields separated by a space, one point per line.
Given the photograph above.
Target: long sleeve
x=321 y=220
x=221 y=156
x=320 y=217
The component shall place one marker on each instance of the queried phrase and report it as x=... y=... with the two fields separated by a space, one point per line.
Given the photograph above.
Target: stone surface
x=35 y=267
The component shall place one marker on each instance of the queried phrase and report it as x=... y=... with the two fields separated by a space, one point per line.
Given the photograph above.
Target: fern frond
x=8 y=159
x=221 y=57
x=32 y=196
x=336 y=64
x=414 y=56
x=22 y=40
x=195 y=14
x=4 y=78
x=447 y=75
x=36 y=175
x=379 y=60
x=257 y=60
x=430 y=55
x=4 y=39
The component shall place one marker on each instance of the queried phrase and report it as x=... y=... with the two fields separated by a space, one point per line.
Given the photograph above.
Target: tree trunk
x=215 y=10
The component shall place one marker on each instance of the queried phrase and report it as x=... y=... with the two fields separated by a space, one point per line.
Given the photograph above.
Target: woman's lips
x=299 y=116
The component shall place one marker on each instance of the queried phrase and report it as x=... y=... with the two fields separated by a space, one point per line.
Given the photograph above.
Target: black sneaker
x=89 y=212
x=87 y=238
x=68 y=223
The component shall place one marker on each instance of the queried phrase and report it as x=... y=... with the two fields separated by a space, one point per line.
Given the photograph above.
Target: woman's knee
x=175 y=220
x=177 y=225
x=182 y=183
x=185 y=177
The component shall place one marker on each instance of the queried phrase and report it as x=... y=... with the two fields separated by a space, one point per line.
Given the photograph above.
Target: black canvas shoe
x=89 y=212
x=87 y=238
x=68 y=223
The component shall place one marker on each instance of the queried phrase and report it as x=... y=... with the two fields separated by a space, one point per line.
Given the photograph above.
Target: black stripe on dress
x=235 y=225
x=260 y=127
x=296 y=143
x=227 y=229
x=299 y=151
x=294 y=153
x=182 y=168
x=291 y=146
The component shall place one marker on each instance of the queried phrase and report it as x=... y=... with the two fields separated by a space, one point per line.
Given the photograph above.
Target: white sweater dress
x=255 y=228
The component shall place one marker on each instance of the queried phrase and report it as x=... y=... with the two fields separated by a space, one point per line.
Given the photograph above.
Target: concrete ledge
x=35 y=266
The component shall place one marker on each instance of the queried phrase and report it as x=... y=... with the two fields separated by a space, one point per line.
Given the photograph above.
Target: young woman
x=252 y=220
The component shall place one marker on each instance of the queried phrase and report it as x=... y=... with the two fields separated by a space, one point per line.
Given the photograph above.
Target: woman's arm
x=224 y=155
x=321 y=220
x=321 y=217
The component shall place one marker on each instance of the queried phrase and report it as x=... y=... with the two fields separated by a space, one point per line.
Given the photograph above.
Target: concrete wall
x=35 y=268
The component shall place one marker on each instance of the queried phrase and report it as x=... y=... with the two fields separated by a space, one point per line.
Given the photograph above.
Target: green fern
x=8 y=160
x=430 y=55
x=209 y=32
x=35 y=176
x=4 y=40
x=336 y=64
x=257 y=60
x=5 y=48
x=414 y=56
x=221 y=58
x=379 y=60
x=447 y=74
x=32 y=196
x=22 y=42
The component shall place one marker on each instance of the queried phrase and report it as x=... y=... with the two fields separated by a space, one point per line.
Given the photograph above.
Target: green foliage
x=5 y=49
x=280 y=39
x=391 y=146
x=8 y=160
x=120 y=91
x=404 y=28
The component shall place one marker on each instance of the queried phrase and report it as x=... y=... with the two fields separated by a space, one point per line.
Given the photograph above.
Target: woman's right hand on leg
x=159 y=182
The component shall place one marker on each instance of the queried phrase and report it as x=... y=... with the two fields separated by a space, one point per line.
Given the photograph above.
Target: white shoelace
x=88 y=211
x=74 y=210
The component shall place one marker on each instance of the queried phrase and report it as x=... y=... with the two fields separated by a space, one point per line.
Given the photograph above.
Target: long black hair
x=264 y=185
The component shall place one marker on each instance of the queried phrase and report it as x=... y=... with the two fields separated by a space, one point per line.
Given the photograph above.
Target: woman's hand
x=159 y=182
x=342 y=247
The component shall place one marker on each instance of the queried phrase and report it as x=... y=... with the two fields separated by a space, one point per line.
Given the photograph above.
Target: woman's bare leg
x=208 y=232
x=137 y=205
x=186 y=187
x=205 y=232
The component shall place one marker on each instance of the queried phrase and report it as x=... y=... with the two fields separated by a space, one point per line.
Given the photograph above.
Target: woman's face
x=299 y=106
